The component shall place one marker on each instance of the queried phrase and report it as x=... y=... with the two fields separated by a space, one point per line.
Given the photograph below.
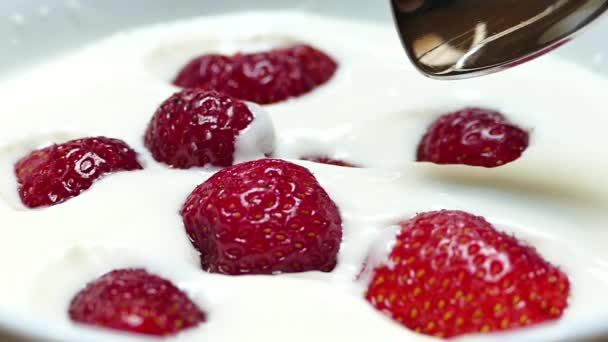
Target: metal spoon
x=455 y=39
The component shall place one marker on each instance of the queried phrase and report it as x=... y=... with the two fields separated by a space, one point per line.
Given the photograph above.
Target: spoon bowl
x=455 y=39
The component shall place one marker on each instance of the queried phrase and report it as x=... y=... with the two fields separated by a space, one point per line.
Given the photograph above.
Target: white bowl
x=33 y=30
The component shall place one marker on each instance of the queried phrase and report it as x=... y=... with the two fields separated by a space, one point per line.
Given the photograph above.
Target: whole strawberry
x=197 y=127
x=451 y=273
x=133 y=300
x=472 y=136
x=263 y=77
x=261 y=217
x=56 y=173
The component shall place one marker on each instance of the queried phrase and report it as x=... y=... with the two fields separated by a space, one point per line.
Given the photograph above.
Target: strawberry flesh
x=451 y=273
x=263 y=217
x=56 y=173
x=197 y=127
x=133 y=300
x=329 y=161
x=472 y=136
x=262 y=77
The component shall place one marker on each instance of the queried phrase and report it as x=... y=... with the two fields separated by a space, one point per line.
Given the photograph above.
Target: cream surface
x=372 y=113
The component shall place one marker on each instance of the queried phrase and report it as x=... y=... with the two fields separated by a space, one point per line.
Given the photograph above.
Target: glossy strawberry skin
x=472 y=136
x=329 y=161
x=263 y=217
x=263 y=77
x=451 y=273
x=56 y=173
x=135 y=301
x=197 y=127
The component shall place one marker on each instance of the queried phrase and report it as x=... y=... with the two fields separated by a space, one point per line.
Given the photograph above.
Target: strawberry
x=263 y=77
x=472 y=136
x=56 y=173
x=198 y=127
x=133 y=300
x=329 y=161
x=451 y=273
x=261 y=217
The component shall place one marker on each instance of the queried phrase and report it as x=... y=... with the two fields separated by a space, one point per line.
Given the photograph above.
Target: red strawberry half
x=473 y=136
x=198 y=127
x=57 y=173
x=136 y=301
x=329 y=161
x=262 y=217
x=263 y=77
x=451 y=273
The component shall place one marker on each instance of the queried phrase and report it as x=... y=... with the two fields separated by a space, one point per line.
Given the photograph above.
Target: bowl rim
x=20 y=326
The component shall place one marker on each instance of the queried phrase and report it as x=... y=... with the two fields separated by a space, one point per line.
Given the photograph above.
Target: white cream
x=373 y=112
x=256 y=140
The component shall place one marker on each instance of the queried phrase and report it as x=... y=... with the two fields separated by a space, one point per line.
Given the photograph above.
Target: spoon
x=456 y=39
